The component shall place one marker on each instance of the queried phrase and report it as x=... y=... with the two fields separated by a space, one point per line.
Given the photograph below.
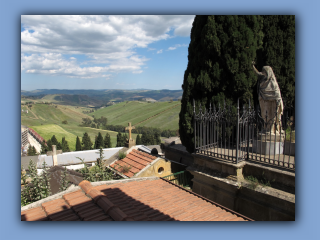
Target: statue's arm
x=255 y=70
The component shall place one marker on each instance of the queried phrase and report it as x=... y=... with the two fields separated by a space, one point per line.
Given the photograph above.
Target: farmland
x=46 y=119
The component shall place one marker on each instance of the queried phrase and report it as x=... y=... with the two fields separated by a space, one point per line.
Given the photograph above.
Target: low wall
x=260 y=203
x=226 y=184
x=177 y=155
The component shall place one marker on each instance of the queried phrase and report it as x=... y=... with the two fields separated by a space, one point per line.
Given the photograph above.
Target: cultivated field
x=163 y=115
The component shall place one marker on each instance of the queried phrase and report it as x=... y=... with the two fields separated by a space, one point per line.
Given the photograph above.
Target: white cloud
x=176 y=46
x=160 y=51
x=108 y=42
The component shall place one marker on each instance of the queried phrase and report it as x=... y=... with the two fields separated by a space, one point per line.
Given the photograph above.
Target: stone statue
x=270 y=100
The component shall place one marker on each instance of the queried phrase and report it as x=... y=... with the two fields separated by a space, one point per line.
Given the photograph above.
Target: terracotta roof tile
x=154 y=200
x=135 y=160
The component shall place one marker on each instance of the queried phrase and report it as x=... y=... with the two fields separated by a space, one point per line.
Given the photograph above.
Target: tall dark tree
x=98 y=142
x=157 y=139
x=78 y=144
x=86 y=142
x=49 y=145
x=119 y=140
x=219 y=67
x=138 y=140
x=65 y=145
x=44 y=147
x=219 y=62
x=54 y=140
x=107 y=141
x=59 y=146
x=279 y=52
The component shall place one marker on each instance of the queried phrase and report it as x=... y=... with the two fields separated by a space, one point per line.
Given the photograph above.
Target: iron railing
x=233 y=135
x=182 y=179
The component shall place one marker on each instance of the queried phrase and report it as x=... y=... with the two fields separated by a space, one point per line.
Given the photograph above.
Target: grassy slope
x=47 y=119
x=135 y=112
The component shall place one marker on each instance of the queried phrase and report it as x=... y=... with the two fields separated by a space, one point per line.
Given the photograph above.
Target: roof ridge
x=102 y=201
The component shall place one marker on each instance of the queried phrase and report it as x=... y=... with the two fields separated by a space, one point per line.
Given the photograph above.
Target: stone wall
x=226 y=184
x=178 y=154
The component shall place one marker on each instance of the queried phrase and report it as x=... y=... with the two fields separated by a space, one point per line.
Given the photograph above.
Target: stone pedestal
x=130 y=143
x=269 y=144
x=267 y=148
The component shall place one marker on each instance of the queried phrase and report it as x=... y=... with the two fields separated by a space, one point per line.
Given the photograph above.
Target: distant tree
x=64 y=122
x=49 y=145
x=93 y=125
x=54 y=140
x=78 y=144
x=138 y=140
x=157 y=138
x=65 y=145
x=107 y=141
x=86 y=122
x=98 y=141
x=59 y=146
x=31 y=151
x=86 y=142
x=44 y=147
x=121 y=140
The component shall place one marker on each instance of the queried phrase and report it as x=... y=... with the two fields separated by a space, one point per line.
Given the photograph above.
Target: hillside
x=71 y=133
x=97 y=98
x=163 y=115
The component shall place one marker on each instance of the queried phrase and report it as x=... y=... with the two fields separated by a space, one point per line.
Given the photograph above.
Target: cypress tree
x=78 y=144
x=98 y=142
x=65 y=145
x=49 y=145
x=107 y=141
x=54 y=140
x=44 y=147
x=59 y=146
x=138 y=140
x=278 y=52
x=119 y=140
x=157 y=138
x=30 y=151
x=219 y=65
x=86 y=142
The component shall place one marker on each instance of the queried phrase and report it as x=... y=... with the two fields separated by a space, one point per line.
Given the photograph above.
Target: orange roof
x=135 y=161
x=131 y=200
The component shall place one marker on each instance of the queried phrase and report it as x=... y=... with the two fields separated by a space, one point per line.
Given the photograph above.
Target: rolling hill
x=163 y=115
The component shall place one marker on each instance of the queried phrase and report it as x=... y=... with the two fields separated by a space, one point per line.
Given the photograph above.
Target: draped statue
x=270 y=100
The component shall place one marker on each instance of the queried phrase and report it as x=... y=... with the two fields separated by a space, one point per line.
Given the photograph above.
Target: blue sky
x=104 y=52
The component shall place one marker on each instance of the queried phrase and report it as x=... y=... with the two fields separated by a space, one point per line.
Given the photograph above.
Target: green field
x=46 y=119
x=135 y=112
x=71 y=133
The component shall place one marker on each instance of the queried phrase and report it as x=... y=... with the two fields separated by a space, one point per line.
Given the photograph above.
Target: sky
x=104 y=51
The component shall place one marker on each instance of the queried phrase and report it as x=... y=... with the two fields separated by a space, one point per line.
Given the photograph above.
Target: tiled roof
x=135 y=161
x=130 y=200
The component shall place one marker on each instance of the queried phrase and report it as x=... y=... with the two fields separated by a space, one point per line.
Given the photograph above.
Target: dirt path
x=36 y=117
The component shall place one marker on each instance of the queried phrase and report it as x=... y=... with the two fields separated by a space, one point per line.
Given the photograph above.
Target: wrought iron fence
x=182 y=179
x=236 y=135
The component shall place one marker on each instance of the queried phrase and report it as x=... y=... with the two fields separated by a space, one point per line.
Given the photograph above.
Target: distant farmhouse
x=148 y=100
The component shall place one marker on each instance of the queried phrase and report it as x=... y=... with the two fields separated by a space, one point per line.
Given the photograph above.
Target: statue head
x=268 y=72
